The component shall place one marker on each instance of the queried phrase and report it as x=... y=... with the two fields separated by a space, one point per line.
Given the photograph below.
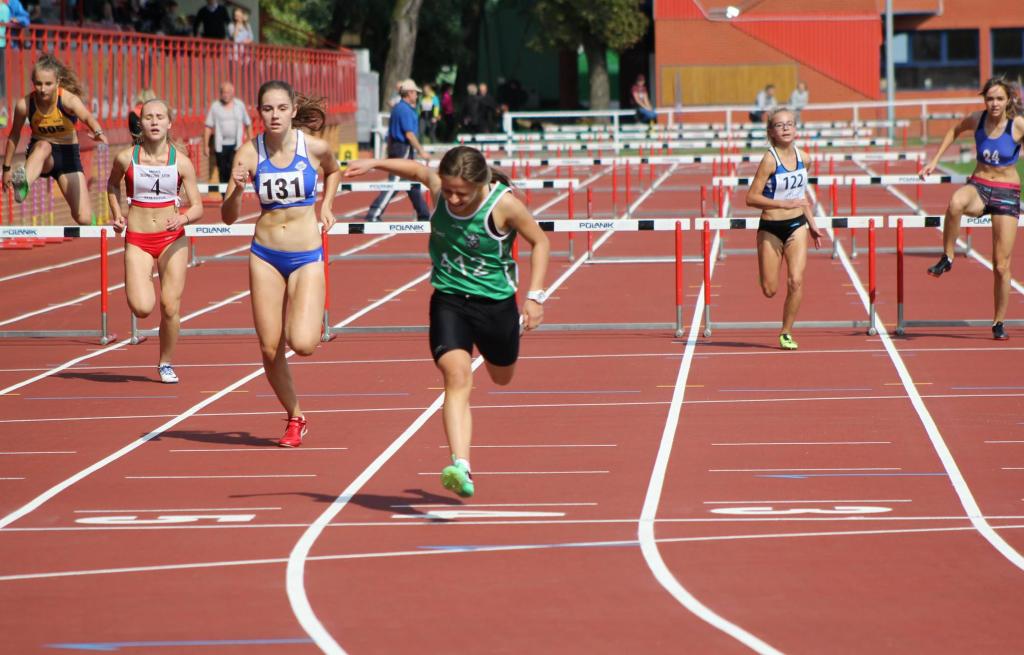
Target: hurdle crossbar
x=848 y=180
x=903 y=222
x=103 y=232
x=705 y=225
x=356 y=187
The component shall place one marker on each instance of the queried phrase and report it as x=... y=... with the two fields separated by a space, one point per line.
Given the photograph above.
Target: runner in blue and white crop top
x=788 y=184
x=1001 y=151
x=292 y=186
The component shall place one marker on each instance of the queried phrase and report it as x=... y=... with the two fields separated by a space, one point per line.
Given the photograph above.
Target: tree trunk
x=404 y=25
x=598 y=67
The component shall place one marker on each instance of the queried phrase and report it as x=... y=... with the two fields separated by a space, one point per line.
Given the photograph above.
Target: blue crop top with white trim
x=291 y=186
x=1001 y=151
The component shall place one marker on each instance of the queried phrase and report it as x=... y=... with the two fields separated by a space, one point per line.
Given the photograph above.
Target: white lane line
x=103 y=351
x=528 y=473
x=179 y=509
x=36 y=502
x=802 y=443
x=744 y=502
x=649 y=513
x=464 y=505
x=89 y=296
x=275 y=449
x=956 y=477
x=546 y=445
x=529 y=522
x=53 y=267
x=12 y=478
x=1013 y=468
x=295 y=571
x=1005 y=441
x=793 y=470
x=217 y=477
x=480 y=549
x=41 y=452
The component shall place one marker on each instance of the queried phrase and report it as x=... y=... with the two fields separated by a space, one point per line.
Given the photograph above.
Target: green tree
x=597 y=26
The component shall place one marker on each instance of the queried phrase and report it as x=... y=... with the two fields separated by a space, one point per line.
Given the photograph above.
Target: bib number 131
x=281 y=188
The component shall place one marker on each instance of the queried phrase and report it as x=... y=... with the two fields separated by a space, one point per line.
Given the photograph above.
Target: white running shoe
x=167 y=374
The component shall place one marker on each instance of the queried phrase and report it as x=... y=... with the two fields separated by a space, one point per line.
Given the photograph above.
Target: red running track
x=635 y=492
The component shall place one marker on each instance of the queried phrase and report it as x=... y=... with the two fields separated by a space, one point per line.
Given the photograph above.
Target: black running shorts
x=459 y=322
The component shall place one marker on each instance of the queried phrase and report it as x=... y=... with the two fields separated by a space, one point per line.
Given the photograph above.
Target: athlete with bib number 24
x=993 y=188
x=475 y=280
x=286 y=262
x=779 y=190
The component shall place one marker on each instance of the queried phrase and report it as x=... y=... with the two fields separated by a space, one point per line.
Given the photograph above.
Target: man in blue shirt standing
x=403 y=143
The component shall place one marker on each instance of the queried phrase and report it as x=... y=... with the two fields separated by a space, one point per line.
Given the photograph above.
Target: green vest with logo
x=469 y=257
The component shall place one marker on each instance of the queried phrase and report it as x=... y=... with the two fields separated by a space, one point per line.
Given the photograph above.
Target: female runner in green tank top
x=475 y=281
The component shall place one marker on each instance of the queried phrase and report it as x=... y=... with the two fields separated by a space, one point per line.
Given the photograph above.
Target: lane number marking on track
x=133 y=519
x=452 y=514
x=768 y=510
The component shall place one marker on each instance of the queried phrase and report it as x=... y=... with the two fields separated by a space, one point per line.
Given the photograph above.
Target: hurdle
x=903 y=222
x=853 y=181
x=705 y=225
x=195 y=259
x=68 y=232
x=675 y=225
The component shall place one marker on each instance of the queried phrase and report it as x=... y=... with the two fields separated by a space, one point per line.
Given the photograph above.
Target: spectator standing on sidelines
x=239 y=30
x=798 y=100
x=226 y=122
x=213 y=20
x=430 y=113
x=447 y=113
x=403 y=143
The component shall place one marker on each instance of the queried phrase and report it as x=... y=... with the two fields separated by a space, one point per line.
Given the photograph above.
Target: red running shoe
x=294 y=433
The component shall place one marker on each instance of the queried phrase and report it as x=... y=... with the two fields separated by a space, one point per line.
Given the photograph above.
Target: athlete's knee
x=768 y=289
x=1001 y=267
x=458 y=379
x=794 y=285
x=170 y=307
x=269 y=351
x=304 y=345
x=141 y=310
x=502 y=376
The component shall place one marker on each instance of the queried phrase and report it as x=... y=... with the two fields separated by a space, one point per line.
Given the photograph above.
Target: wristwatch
x=538 y=296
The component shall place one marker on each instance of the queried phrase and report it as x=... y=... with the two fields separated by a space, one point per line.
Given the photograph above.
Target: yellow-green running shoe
x=786 y=341
x=20 y=183
x=458 y=479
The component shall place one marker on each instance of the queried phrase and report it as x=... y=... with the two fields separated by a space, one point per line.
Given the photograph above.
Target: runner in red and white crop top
x=154 y=224
x=153 y=186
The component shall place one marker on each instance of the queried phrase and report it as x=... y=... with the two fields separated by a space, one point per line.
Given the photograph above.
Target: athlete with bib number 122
x=779 y=190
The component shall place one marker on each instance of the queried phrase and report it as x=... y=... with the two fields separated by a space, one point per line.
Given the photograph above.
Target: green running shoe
x=458 y=479
x=20 y=182
x=787 y=343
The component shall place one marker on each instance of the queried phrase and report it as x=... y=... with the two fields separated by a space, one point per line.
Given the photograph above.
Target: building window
x=1008 y=52
x=936 y=59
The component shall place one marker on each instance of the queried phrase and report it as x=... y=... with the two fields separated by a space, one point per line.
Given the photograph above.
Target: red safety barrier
x=707 y=264
x=590 y=216
x=629 y=199
x=679 y=279
x=572 y=216
x=327 y=336
x=615 y=188
x=872 y=287
x=114 y=66
x=899 y=267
